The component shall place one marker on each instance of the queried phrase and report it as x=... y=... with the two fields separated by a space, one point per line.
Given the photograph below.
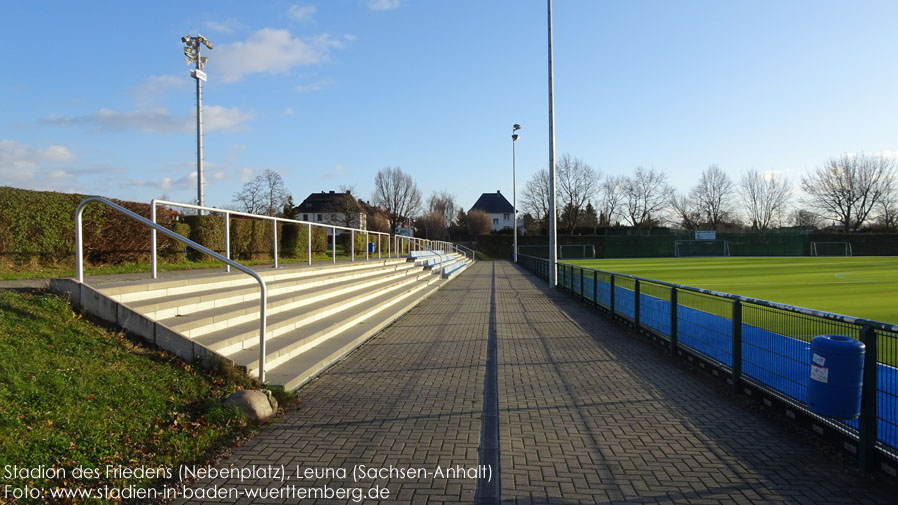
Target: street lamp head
x=516 y=127
x=514 y=137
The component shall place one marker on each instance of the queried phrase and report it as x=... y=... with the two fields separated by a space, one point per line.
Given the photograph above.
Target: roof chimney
x=332 y=191
x=498 y=192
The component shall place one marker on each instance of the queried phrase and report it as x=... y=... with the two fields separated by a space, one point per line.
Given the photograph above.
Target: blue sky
x=97 y=96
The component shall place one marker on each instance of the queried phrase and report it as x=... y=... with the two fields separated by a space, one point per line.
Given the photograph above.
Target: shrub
x=207 y=231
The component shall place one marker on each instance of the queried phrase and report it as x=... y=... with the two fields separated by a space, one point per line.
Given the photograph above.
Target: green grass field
x=858 y=286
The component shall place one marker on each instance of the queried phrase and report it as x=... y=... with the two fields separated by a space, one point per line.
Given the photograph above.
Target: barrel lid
x=837 y=344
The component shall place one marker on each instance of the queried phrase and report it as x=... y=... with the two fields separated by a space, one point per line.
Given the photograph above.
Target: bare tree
x=888 y=209
x=535 y=197
x=432 y=226
x=713 y=195
x=646 y=196
x=346 y=207
x=478 y=222
x=686 y=210
x=443 y=203
x=804 y=218
x=611 y=199
x=577 y=184
x=848 y=188
x=765 y=198
x=265 y=194
x=397 y=193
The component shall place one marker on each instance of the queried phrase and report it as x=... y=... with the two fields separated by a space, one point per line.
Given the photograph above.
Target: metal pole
x=351 y=245
x=310 y=244
x=367 y=241
x=153 y=238
x=514 y=200
x=553 y=238
x=334 y=244
x=227 y=216
x=274 y=242
x=199 y=133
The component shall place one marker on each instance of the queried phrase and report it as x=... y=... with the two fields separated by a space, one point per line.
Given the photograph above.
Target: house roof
x=493 y=203
x=326 y=201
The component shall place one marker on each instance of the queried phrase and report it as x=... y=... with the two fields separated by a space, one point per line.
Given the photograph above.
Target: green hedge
x=294 y=240
x=207 y=231
x=360 y=243
x=38 y=227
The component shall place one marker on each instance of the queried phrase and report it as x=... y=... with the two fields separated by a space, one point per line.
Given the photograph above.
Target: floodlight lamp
x=185 y=39
x=516 y=127
x=207 y=43
x=514 y=137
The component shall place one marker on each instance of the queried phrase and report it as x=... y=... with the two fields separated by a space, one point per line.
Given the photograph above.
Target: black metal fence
x=755 y=343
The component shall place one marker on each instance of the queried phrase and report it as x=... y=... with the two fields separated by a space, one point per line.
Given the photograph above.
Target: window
x=505 y=216
x=319 y=217
x=305 y=217
x=496 y=220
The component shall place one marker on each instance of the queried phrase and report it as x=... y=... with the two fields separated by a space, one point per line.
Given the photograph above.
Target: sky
x=97 y=97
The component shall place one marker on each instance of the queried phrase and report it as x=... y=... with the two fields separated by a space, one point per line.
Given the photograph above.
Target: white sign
x=819 y=373
x=705 y=235
x=198 y=74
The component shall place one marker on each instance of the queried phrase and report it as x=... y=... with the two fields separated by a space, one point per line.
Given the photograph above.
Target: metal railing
x=275 y=220
x=757 y=343
x=79 y=261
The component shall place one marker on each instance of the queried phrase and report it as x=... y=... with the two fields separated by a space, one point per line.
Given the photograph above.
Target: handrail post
x=351 y=245
x=262 y=330
x=79 y=245
x=673 y=321
x=274 y=241
x=867 y=424
x=309 y=245
x=153 y=238
x=334 y=245
x=736 y=352
x=227 y=237
x=367 y=239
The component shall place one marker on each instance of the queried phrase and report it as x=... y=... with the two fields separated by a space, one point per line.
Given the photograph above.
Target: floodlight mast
x=514 y=191
x=553 y=239
x=192 y=52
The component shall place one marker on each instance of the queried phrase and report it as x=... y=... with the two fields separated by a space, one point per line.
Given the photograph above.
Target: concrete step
x=280 y=351
x=206 y=321
x=229 y=340
x=186 y=304
x=296 y=371
x=130 y=291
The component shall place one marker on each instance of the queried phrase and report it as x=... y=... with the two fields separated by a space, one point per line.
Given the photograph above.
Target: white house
x=498 y=209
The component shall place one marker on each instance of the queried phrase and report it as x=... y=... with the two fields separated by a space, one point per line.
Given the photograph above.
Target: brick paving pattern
x=587 y=413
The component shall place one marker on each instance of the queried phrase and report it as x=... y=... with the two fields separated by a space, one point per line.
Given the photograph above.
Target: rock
x=256 y=406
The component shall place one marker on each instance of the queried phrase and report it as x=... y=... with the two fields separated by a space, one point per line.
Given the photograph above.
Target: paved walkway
x=586 y=414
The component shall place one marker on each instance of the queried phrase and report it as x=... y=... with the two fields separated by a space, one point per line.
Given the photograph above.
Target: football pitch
x=858 y=286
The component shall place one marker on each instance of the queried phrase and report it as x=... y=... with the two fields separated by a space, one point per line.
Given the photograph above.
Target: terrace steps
x=315 y=315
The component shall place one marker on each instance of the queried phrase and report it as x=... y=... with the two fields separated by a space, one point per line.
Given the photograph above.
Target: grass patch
x=72 y=393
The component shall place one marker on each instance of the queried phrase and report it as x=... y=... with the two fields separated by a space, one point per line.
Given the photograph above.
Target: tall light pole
x=553 y=239
x=192 y=53
x=514 y=189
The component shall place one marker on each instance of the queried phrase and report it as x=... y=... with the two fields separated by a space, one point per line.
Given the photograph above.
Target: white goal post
x=831 y=249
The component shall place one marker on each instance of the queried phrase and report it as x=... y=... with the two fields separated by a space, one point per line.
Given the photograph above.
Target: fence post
x=581 y=284
x=367 y=241
x=309 y=229
x=636 y=303
x=227 y=239
x=274 y=241
x=595 y=289
x=611 y=294
x=867 y=424
x=351 y=245
x=153 y=239
x=673 y=321
x=334 y=245
x=736 y=352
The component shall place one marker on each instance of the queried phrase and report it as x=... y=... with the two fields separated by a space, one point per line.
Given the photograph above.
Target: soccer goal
x=576 y=251
x=685 y=248
x=831 y=249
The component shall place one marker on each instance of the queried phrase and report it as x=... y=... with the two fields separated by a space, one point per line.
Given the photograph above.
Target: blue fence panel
x=604 y=294
x=588 y=284
x=575 y=280
x=623 y=302
x=778 y=361
x=706 y=333
x=655 y=313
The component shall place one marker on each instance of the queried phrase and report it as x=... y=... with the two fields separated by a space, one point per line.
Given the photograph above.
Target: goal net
x=830 y=248
x=684 y=248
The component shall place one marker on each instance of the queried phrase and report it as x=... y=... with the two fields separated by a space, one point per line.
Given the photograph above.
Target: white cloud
x=301 y=13
x=270 y=51
x=288 y=111
x=383 y=5
x=159 y=120
x=246 y=175
x=226 y=27
x=146 y=93
x=34 y=167
x=315 y=86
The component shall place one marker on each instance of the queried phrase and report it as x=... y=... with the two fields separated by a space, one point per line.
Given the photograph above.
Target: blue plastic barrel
x=837 y=376
x=370 y=247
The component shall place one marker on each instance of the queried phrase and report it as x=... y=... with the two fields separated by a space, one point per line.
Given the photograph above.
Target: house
x=498 y=209
x=334 y=208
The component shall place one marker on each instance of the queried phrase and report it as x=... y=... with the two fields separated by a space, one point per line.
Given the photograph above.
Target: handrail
x=228 y=213
x=79 y=261
x=878 y=325
x=459 y=246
